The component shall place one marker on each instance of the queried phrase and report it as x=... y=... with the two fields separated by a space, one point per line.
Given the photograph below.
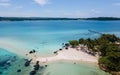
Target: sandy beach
x=70 y=54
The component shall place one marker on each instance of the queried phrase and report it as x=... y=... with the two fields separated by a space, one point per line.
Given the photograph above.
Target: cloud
x=5 y=3
x=95 y=11
x=42 y=2
x=4 y=0
x=117 y=4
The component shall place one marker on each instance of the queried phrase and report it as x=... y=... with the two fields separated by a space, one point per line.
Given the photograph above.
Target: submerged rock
x=36 y=67
x=33 y=72
x=66 y=48
x=27 y=63
x=0 y=72
x=60 y=49
x=30 y=52
x=55 y=52
x=46 y=65
x=37 y=62
x=33 y=51
x=19 y=70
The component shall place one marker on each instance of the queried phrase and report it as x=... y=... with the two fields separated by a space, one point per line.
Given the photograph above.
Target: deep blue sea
x=18 y=37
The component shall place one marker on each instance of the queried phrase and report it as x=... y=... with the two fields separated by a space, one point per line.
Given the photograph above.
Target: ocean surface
x=17 y=37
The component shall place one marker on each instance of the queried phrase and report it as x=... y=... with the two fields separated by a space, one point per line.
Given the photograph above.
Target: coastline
x=70 y=54
x=63 y=56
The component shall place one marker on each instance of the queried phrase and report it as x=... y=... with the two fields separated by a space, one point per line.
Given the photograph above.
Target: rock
x=67 y=44
x=46 y=65
x=8 y=62
x=30 y=52
x=74 y=63
x=37 y=62
x=26 y=54
x=60 y=49
x=33 y=72
x=33 y=51
x=36 y=67
x=0 y=72
x=19 y=70
x=55 y=52
x=66 y=48
x=27 y=63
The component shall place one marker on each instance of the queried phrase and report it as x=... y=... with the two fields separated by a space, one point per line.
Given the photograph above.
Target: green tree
x=109 y=37
x=74 y=43
x=81 y=41
x=111 y=61
x=89 y=43
x=103 y=49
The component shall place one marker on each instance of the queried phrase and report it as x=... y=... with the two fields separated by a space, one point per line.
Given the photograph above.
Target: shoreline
x=70 y=54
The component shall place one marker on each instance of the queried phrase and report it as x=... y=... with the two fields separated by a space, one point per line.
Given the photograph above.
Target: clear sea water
x=48 y=36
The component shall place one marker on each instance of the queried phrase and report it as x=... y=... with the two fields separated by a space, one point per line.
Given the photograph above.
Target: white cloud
x=5 y=3
x=4 y=0
x=42 y=2
x=95 y=11
x=117 y=4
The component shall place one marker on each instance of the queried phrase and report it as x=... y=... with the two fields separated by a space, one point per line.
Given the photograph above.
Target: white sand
x=70 y=54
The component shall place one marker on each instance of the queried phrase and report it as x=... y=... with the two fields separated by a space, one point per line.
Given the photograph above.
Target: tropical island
x=104 y=51
x=54 y=18
x=108 y=48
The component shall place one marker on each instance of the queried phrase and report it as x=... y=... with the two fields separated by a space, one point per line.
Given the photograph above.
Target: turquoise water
x=62 y=68
x=6 y=56
x=48 y=36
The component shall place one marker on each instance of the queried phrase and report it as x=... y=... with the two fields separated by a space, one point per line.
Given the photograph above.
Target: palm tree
x=81 y=41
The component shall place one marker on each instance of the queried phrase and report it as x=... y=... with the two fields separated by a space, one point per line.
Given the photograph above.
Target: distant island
x=50 y=18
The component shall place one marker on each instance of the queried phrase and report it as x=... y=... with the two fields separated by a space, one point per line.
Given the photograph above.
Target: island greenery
x=108 y=48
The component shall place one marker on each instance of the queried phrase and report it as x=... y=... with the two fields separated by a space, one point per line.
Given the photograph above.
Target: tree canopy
x=106 y=46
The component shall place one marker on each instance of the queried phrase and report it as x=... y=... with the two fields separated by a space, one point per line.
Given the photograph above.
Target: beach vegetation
x=73 y=43
x=107 y=47
x=81 y=41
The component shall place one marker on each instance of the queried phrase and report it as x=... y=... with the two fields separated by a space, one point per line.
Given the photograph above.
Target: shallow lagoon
x=48 y=36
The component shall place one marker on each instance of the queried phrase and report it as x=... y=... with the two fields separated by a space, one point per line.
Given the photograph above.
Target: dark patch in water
x=6 y=59
x=0 y=72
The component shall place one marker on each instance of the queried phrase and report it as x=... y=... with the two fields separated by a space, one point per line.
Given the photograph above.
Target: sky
x=60 y=8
